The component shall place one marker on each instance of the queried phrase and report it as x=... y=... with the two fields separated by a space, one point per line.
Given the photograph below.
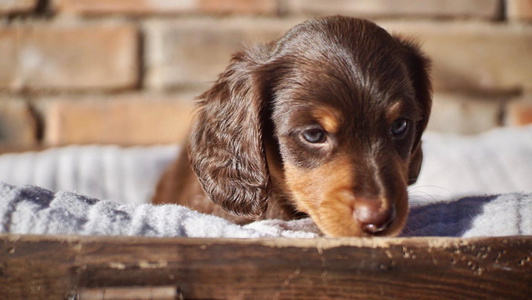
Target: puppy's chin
x=336 y=218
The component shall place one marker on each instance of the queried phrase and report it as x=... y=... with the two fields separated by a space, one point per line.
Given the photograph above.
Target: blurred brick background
x=127 y=71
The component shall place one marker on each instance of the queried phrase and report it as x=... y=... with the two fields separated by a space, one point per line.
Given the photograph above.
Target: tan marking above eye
x=400 y=109
x=327 y=119
x=394 y=112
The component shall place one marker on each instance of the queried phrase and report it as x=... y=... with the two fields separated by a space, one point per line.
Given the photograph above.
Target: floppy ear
x=418 y=66
x=226 y=147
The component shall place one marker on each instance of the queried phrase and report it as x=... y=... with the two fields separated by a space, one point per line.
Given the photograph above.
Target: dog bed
x=469 y=186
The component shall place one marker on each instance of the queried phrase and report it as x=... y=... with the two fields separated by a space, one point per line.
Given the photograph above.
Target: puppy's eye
x=400 y=128
x=314 y=135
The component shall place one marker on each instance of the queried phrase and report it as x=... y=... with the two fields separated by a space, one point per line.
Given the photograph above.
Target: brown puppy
x=325 y=121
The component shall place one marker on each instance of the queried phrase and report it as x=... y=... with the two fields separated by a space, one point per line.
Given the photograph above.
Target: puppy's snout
x=373 y=216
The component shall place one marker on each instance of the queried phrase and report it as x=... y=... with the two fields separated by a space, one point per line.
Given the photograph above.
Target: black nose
x=373 y=216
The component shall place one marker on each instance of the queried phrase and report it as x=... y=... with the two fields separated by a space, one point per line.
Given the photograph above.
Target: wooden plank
x=56 y=267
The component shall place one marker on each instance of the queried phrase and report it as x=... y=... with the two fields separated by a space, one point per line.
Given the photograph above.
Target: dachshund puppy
x=324 y=122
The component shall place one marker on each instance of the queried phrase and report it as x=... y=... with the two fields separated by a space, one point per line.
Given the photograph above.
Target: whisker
x=429 y=186
x=421 y=198
x=436 y=193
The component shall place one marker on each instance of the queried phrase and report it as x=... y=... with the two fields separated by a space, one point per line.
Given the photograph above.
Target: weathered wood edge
x=60 y=267
x=324 y=242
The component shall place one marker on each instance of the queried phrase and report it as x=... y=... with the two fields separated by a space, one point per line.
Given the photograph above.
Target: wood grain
x=55 y=267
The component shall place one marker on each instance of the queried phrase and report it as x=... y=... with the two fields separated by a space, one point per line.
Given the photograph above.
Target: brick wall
x=126 y=71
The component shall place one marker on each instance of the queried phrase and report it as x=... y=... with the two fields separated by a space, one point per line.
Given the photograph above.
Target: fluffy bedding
x=469 y=186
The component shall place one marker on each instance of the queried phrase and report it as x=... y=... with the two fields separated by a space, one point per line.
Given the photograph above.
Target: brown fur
x=303 y=125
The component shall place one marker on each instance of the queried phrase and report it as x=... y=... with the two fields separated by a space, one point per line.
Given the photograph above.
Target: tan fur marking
x=394 y=111
x=326 y=194
x=328 y=120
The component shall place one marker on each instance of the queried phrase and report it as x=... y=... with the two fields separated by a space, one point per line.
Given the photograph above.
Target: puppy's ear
x=226 y=147
x=418 y=66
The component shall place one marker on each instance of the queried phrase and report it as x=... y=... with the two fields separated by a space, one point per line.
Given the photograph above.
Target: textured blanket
x=33 y=210
x=443 y=201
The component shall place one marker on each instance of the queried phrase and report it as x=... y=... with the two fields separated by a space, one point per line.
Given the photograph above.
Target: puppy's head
x=339 y=105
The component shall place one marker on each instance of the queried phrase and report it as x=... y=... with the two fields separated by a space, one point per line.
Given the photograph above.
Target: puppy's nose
x=373 y=217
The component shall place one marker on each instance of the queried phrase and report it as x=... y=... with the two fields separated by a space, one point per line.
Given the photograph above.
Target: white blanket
x=498 y=162
x=33 y=210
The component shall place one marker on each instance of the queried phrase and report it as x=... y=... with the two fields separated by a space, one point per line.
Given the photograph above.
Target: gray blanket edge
x=35 y=210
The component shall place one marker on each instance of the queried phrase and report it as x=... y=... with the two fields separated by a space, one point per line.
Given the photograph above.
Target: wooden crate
x=74 y=267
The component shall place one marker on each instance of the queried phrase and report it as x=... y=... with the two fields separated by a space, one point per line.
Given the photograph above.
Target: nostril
x=373 y=217
x=381 y=222
x=376 y=228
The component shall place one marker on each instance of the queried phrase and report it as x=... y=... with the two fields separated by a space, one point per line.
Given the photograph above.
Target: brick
x=471 y=56
x=465 y=115
x=18 y=126
x=125 y=120
x=8 y=65
x=189 y=52
x=468 y=56
x=489 y=9
x=520 y=10
x=17 y=6
x=60 y=56
x=147 y=7
x=519 y=113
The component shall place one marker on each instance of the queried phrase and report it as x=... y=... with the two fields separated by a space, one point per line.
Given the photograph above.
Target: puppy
x=324 y=122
